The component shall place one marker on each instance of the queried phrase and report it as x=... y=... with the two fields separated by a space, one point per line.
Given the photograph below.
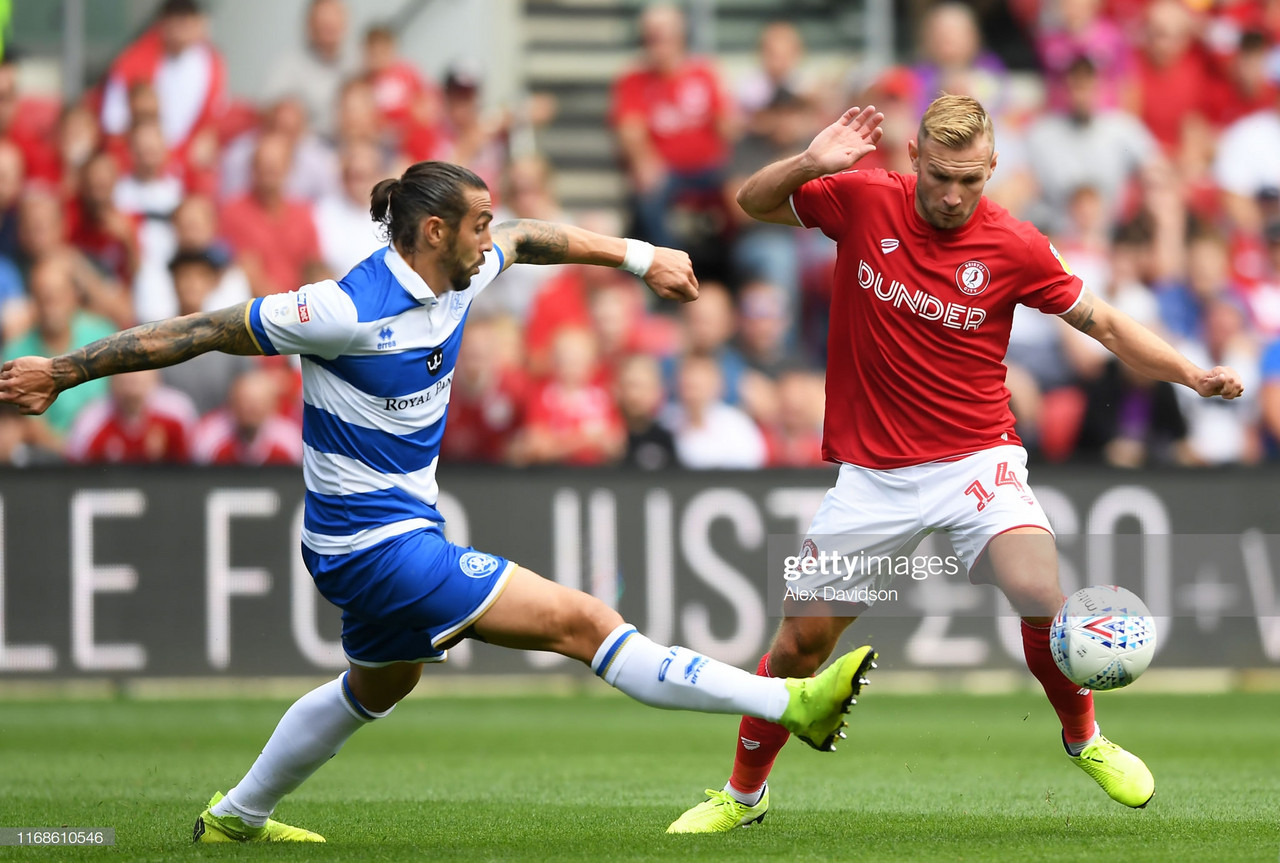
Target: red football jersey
x=681 y=112
x=920 y=319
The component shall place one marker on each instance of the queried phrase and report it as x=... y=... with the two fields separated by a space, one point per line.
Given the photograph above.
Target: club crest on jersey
x=972 y=278
x=435 y=361
x=809 y=550
x=477 y=564
x=457 y=304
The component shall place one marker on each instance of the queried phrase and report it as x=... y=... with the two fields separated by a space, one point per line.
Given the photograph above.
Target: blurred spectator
x=78 y=138
x=41 y=237
x=1170 y=80
x=1084 y=145
x=710 y=324
x=1071 y=28
x=764 y=324
x=274 y=237
x=139 y=422
x=1247 y=166
x=638 y=383
x=177 y=59
x=358 y=120
x=60 y=326
x=12 y=176
x=795 y=438
x=195 y=230
x=487 y=400
x=1183 y=301
x=562 y=302
x=347 y=232
x=205 y=379
x=1132 y=421
x=1262 y=295
x=776 y=75
x=528 y=193
x=1246 y=87
x=313 y=165
x=316 y=72
x=148 y=190
x=402 y=96
x=708 y=432
x=623 y=326
x=248 y=430
x=776 y=253
x=21 y=124
x=673 y=124
x=953 y=60
x=1223 y=432
x=469 y=136
x=97 y=226
x=16 y=447
x=571 y=418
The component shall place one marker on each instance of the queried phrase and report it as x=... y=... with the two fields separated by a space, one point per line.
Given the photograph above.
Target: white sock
x=746 y=798
x=676 y=678
x=309 y=734
x=1076 y=748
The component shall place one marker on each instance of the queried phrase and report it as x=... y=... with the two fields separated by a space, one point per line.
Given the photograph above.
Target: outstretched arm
x=1147 y=353
x=530 y=241
x=32 y=383
x=766 y=194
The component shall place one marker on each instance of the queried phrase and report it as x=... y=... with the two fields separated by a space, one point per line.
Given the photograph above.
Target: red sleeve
x=825 y=203
x=1051 y=287
x=628 y=98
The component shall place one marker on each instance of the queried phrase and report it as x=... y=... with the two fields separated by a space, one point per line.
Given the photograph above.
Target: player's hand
x=1220 y=381
x=837 y=147
x=671 y=275
x=28 y=383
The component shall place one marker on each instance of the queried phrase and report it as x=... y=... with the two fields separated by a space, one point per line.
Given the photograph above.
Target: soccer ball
x=1103 y=637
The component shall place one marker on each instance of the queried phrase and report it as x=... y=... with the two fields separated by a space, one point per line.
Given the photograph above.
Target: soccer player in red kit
x=927 y=275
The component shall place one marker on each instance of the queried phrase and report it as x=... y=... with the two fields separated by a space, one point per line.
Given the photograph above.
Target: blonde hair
x=955 y=122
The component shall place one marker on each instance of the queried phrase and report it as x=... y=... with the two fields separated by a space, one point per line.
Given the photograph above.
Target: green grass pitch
x=589 y=778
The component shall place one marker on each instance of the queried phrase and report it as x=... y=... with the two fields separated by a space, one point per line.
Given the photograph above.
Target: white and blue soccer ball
x=1103 y=637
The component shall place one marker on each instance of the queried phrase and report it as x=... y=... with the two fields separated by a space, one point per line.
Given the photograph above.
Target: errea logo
x=386 y=338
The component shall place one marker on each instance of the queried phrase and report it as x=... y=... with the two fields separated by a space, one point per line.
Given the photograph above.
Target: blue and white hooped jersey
x=378 y=352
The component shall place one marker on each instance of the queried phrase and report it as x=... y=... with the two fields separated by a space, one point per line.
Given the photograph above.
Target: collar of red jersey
x=408 y=279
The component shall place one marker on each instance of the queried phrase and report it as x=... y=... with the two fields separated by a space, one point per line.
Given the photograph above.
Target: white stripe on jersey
x=327 y=544
x=332 y=474
x=323 y=389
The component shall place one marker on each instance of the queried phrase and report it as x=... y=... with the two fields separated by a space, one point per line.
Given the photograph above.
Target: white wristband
x=639 y=257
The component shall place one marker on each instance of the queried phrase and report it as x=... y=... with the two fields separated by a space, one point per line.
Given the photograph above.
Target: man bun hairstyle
x=426 y=189
x=955 y=122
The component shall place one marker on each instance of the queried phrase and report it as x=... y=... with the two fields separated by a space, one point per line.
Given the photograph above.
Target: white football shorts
x=872 y=520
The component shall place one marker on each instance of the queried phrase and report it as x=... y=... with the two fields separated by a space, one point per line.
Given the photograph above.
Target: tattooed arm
x=530 y=241
x=32 y=383
x=1147 y=353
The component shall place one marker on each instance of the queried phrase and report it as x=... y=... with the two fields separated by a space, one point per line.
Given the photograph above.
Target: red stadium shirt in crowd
x=284 y=240
x=681 y=112
x=920 y=319
x=217 y=441
x=106 y=250
x=482 y=424
x=159 y=434
x=587 y=410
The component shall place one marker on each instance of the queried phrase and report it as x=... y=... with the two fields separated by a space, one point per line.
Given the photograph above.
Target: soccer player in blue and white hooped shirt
x=378 y=350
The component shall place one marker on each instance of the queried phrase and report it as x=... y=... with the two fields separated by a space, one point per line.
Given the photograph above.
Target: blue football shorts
x=409 y=598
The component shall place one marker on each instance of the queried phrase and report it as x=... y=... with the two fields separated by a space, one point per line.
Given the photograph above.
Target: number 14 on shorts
x=1004 y=476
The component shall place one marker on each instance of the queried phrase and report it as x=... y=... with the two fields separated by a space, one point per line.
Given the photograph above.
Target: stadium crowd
x=1150 y=153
